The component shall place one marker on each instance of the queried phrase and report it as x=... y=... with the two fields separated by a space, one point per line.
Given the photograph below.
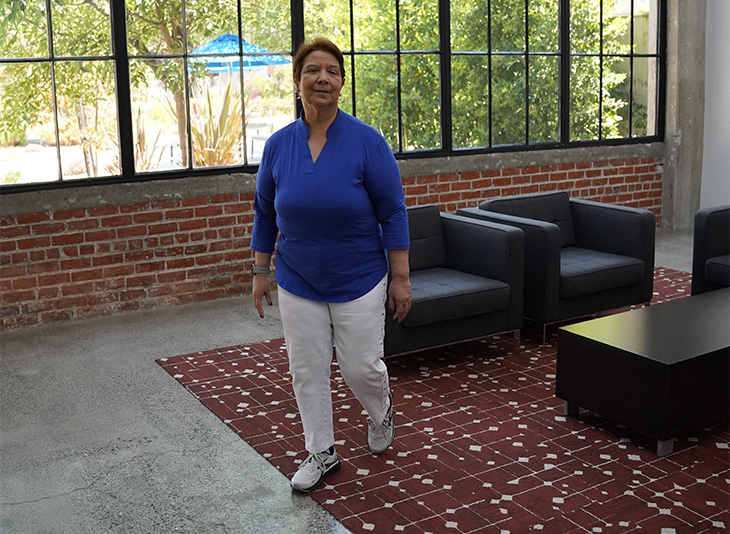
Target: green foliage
x=217 y=130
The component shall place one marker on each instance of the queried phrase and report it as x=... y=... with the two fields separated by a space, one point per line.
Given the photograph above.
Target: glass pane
x=419 y=24
x=469 y=25
x=644 y=97
x=508 y=100
x=27 y=124
x=544 y=25
x=269 y=106
x=420 y=102
x=544 y=99
x=218 y=19
x=87 y=115
x=328 y=19
x=615 y=105
x=584 y=87
x=216 y=125
x=469 y=101
x=585 y=26
x=616 y=28
x=153 y=33
x=508 y=25
x=376 y=94
x=158 y=116
x=646 y=16
x=346 y=92
x=81 y=28
x=266 y=24
x=23 y=29
x=374 y=22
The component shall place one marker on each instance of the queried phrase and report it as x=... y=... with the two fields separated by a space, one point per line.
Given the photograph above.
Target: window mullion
x=564 y=85
x=445 y=67
x=124 y=89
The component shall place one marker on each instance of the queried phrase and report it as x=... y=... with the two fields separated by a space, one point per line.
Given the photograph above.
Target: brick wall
x=82 y=262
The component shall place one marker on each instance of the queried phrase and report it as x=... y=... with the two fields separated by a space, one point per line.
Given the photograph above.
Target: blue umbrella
x=254 y=57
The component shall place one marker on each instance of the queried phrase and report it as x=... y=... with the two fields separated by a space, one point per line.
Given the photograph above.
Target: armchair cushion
x=584 y=271
x=444 y=294
x=428 y=250
x=549 y=207
x=717 y=270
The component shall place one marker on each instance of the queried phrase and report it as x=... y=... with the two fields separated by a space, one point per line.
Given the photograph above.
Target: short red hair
x=320 y=43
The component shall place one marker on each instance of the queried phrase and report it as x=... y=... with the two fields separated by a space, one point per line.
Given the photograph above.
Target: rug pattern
x=481 y=443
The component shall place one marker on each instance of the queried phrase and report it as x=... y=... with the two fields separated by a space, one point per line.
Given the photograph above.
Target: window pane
x=508 y=25
x=376 y=94
x=87 y=115
x=159 y=116
x=419 y=24
x=616 y=29
x=420 y=102
x=269 y=105
x=469 y=25
x=646 y=17
x=328 y=19
x=585 y=27
x=374 y=24
x=644 y=99
x=27 y=124
x=23 y=31
x=208 y=20
x=266 y=24
x=81 y=29
x=216 y=121
x=508 y=100
x=346 y=92
x=544 y=25
x=615 y=105
x=470 y=101
x=584 y=87
x=150 y=32
x=544 y=99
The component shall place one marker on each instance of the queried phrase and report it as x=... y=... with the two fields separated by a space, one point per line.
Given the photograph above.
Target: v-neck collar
x=332 y=130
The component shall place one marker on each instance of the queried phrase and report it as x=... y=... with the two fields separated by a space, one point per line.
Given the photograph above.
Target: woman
x=329 y=187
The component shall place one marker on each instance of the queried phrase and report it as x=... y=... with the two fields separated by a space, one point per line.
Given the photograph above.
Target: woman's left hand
x=399 y=297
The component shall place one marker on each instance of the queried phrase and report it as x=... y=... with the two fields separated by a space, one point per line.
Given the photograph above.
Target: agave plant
x=147 y=156
x=217 y=137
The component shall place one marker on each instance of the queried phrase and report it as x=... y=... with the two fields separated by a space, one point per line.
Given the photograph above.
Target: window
x=121 y=90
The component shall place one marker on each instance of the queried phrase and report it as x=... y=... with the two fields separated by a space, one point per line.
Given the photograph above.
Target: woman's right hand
x=261 y=291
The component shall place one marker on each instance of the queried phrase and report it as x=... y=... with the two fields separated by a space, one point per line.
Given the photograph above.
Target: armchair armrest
x=487 y=249
x=711 y=238
x=542 y=260
x=632 y=230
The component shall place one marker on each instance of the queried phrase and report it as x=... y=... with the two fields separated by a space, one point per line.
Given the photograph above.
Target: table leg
x=570 y=408
x=664 y=447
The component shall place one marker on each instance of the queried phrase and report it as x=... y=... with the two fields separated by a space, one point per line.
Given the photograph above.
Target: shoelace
x=315 y=458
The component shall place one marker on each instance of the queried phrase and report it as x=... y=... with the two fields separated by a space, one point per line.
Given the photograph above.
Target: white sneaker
x=314 y=469
x=381 y=436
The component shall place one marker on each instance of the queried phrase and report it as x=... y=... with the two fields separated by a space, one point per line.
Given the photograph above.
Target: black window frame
x=444 y=53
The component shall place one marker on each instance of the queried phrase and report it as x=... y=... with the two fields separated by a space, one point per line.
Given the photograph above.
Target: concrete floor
x=96 y=438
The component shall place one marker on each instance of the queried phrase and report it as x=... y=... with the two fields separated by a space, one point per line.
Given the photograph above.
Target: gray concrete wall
x=684 y=111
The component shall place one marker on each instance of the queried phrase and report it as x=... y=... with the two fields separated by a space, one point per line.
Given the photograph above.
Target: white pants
x=357 y=330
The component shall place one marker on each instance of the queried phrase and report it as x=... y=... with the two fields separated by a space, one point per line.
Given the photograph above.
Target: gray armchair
x=581 y=257
x=711 y=250
x=466 y=276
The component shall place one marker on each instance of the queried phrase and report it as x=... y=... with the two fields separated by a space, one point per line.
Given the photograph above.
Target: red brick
x=82 y=224
x=163 y=228
x=135 y=208
x=75 y=213
x=148 y=217
x=53 y=279
x=100 y=235
x=131 y=231
x=141 y=281
x=75 y=264
x=11 y=232
x=31 y=218
x=224 y=198
x=43 y=267
x=89 y=274
x=118 y=220
x=24 y=283
x=33 y=242
x=185 y=213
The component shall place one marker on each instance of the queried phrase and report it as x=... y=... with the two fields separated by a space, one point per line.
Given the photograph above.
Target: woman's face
x=320 y=80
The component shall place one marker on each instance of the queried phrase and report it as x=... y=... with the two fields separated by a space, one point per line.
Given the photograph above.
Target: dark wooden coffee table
x=662 y=370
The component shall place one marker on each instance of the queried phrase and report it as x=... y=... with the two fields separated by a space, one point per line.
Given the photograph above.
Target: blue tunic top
x=335 y=217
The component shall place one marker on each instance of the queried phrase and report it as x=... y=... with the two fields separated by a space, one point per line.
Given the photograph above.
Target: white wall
x=716 y=156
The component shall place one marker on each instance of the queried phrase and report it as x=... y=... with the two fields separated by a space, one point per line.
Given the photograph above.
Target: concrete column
x=685 y=111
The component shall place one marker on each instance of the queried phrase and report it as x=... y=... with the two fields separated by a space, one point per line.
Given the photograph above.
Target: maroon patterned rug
x=481 y=444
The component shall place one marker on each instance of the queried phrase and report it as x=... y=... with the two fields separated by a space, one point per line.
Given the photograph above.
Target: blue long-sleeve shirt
x=335 y=217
